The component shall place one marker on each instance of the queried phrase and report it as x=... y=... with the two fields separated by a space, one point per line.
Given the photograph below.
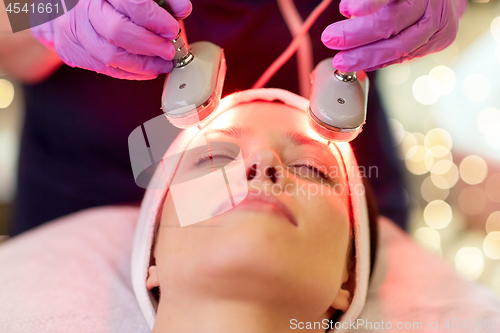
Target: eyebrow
x=235 y=131
x=300 y=139
x=238 y=131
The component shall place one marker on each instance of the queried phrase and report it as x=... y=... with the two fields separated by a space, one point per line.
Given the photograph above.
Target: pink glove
x=125 y=39
x=386 y=32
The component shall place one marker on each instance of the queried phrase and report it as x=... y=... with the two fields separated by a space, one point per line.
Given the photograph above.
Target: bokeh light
x=408 y=143
x=446 y=157
x=472 y=200
x=438 y=214
x=429 y=239
x=418 y=161
x=441 y=167
x=469 y=261
x=438 y=141
x=473 y=169
x=493 y=222
x=417 y=158
x=446 y=180
x=495 y=28
x=416 y=153
x=446 y=77
x=491 y=245
x=416 y=167
x=6 y=93
x=476 y=87
x=439 y=137
x=439 y=151
x=492 y=187
x=430 y=192
x=426 y=89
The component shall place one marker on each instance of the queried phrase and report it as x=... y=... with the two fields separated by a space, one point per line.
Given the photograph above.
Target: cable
x=290 y=50
x=305 y=59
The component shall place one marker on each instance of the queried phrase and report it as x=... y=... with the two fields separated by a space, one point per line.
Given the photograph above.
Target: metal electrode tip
x=346 y=76
x=182 y=54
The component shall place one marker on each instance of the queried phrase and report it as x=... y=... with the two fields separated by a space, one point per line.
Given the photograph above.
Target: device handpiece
x=338 y=100
x=192 y=91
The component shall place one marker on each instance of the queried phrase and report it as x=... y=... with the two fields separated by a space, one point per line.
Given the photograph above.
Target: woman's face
x=287 y=243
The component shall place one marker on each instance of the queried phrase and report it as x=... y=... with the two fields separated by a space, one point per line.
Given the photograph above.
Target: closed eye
x=311 y=172
x=218 y=158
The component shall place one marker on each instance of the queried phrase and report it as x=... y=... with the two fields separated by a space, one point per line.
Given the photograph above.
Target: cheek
x=326 y=241
x=323 y=203
x=327 y=224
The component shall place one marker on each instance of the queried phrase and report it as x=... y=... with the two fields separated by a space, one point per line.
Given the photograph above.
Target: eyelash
x=313 y=169
x=203 y=159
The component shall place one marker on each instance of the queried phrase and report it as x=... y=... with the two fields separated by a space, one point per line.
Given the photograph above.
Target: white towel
x=71 y=276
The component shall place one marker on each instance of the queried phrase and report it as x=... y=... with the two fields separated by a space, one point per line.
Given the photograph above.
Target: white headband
x=151 y=206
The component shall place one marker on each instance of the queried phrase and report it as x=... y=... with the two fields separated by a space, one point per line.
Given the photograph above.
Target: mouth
x=263 y=202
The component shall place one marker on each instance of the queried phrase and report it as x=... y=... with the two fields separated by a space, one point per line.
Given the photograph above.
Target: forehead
x=259 y=111
x=262 y=116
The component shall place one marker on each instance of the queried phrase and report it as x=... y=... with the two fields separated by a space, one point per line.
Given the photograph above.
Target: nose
x=265 y=166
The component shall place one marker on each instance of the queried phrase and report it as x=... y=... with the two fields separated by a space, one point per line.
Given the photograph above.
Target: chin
x=247 y=252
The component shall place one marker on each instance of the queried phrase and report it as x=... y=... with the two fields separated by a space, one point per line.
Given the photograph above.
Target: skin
x=251 y=269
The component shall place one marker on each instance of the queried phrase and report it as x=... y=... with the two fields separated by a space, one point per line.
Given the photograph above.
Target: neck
x=221 y=315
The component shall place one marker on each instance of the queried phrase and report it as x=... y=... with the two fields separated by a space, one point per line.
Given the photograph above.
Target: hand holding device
x=385 y=32
x=121 y=38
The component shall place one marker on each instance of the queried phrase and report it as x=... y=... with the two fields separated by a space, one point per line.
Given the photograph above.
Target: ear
x=152 y=279
x=343 y=298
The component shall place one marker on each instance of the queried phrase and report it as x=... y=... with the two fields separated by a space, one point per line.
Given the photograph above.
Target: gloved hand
x=386 y=32
x=125 y=39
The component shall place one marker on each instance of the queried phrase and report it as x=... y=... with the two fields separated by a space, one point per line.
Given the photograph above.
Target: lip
x=260 y=201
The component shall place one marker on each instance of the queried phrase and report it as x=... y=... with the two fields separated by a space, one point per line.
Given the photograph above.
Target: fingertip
x=344 y=10
x=325 y=37
x=180 y=9
x=330 y=38
x=166 y=67
x=186 y=12
x=172 y=31
x=339 y=63
x=153 y=66
x=166 y=51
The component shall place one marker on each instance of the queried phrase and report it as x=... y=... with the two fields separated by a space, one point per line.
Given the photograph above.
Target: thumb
x=350 y=8
x=180 y=8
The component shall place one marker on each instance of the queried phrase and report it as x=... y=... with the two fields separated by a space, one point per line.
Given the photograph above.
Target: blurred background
x=444 y=111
